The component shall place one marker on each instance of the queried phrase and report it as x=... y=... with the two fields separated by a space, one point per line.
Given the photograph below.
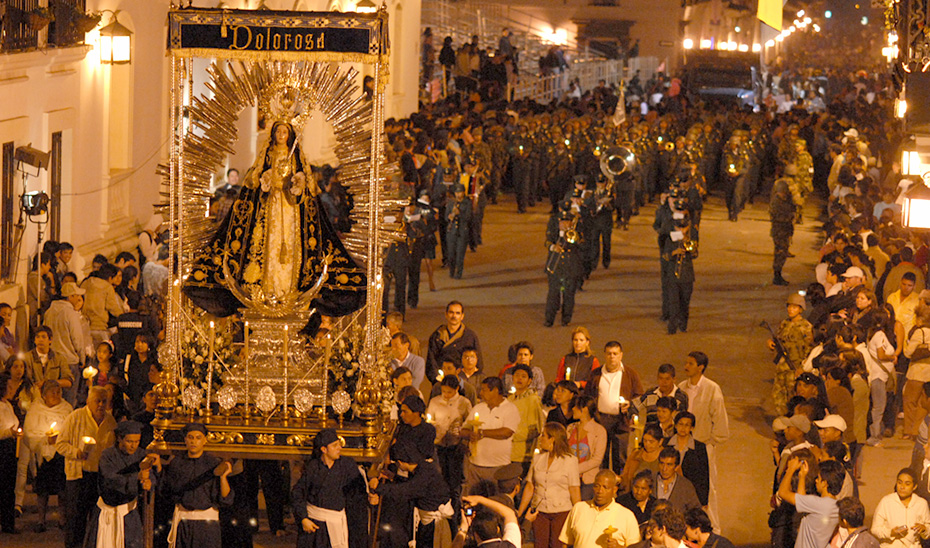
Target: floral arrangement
x=195 y=353
x=343 y=368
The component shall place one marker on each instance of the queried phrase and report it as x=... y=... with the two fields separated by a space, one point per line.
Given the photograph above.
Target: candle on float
x=286 y=344
x=245 y=362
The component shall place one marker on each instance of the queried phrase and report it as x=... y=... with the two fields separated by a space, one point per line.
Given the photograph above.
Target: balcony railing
x=18 y=31
x=29 y=25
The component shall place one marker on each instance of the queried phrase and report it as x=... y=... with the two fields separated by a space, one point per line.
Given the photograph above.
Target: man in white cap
x=831 y=428
x=64 y=318
x=846 y=298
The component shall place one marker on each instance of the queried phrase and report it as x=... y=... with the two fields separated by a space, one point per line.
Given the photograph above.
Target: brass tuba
x=616 y=161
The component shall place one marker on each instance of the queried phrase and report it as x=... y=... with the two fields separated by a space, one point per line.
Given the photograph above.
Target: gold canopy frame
x=303 y=51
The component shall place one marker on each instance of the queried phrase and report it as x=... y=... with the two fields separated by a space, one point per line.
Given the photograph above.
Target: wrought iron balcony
x=27 y=25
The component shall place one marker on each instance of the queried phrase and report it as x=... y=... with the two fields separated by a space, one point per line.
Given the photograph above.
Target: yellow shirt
x=904 y=308
x=586 y=525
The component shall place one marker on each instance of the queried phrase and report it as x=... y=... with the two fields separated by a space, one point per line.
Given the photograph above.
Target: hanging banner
x=770 y=13
x=294 y=36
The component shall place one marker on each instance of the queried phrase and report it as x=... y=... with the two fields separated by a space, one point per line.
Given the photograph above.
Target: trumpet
x=571 y=237
x=669 y=146
x=689 y=247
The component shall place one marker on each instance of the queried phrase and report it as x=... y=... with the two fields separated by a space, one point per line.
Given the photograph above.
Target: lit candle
x=441 y=374
x=513 y=389
x=90 y=372
x=245 y=362
x=429 y=418
x=19 y=438
x=286 y=343
x=622 y=400
x=51 y=429
x=477 y=418
x=210 y=369
x=568 y=373
x=88 y=444
x=636 y=420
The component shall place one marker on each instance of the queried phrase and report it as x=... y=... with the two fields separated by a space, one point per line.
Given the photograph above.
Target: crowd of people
x=606 y=454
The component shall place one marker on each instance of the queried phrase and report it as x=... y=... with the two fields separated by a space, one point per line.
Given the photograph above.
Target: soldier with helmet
x=797 y=338
x=781 y=215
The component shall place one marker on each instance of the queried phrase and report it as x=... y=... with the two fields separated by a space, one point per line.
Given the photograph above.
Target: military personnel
x=781 y=215
x=475 y=182
x=664 y=224
x=482 y=155
x=797 y=338
x=564 y=266
x=560 y=171
x=458 y=218
x=602 y=222
x=499 y=159
x=396 y=263
x=521 y=168
x=679 y=252
x=420 y=220
x=734 y=169
x=804 y=178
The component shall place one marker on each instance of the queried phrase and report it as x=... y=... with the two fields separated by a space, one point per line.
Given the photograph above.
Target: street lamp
x=115 y=43
x=916 y=211
x=366 y=6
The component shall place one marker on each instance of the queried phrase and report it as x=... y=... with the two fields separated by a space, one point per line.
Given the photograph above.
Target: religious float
x=274 y=319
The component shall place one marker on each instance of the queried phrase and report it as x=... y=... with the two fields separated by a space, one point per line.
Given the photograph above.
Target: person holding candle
x=614 y=385
x=23 y=388
x=490 y=433
x=10 y=433
x=588 y=440
x=578 y=364
x=197 y=484
x=41 y=429
x=564 y=397
x=116 y=521
x=449 y=369
x=85 y=433
x=101 y=370
x=645 y=458
x=601 y=521
x=448 y=412
x=524 y=356
x=450 y=340
x=64 y=318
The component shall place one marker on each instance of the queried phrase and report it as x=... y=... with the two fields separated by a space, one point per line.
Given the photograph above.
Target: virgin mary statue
x=274 y=240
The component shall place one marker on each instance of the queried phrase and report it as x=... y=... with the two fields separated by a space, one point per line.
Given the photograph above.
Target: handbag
x=922 y=352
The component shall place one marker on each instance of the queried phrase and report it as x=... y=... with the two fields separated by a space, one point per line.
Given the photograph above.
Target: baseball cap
x=832 y=421
x=853 y=272
x=798 y=421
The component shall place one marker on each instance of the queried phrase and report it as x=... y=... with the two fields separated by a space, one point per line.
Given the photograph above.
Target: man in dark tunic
x=319 y=497
x=116 y=521
x=425 y=491
x=197 y=484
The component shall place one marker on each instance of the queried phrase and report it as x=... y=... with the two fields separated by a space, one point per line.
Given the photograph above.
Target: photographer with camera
x=481 y=518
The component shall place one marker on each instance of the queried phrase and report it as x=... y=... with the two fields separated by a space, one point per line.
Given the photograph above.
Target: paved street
x=504 y=290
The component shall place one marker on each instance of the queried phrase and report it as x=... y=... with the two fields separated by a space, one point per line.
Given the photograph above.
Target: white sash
x=426 y=517
x=181 y=514
x=111 y=525
x=336 y=524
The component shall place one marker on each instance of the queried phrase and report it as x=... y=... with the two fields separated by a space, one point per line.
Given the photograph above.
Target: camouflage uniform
x=797 y=336
x=781 y=214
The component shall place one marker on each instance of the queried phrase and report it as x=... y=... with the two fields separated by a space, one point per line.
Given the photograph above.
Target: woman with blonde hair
x=580 y=360
x=553 y=486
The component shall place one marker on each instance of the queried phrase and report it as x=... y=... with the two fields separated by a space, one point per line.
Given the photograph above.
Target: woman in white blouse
x=553 y=485
x=902 y=518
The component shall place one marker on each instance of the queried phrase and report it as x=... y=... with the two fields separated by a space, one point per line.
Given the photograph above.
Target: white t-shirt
x=878 y=340
x=608 y=391
x=491 y=452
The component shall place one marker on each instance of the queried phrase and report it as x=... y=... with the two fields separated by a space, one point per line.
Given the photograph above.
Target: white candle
x=245 y=361
x=568 y=373
x=440 y=375
x=286 y=342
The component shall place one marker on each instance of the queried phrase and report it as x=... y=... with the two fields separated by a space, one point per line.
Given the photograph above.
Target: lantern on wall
x=115 y=43
x=916 y=211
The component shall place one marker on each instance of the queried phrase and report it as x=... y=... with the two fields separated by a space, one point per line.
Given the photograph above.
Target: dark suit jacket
x=695 y=467
x=683 y=496
x=630 y=387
